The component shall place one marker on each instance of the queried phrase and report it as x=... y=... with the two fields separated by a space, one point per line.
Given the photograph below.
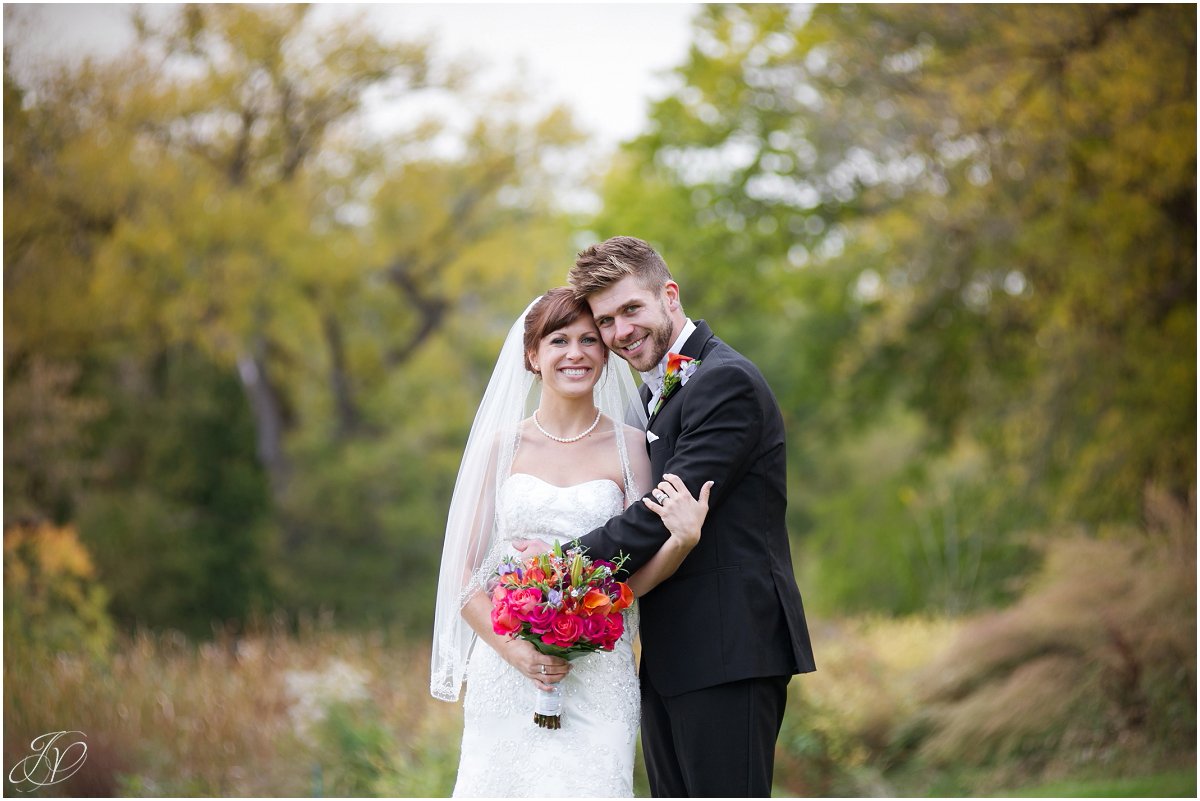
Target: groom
x=723 y=636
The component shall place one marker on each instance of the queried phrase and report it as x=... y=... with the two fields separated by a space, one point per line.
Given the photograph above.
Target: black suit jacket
x=732 y=611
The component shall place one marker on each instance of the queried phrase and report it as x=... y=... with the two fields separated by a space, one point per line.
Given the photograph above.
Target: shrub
x=52 y=601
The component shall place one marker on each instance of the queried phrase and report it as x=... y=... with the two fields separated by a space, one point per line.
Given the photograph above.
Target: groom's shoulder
x=730 y=362
x=721 y=352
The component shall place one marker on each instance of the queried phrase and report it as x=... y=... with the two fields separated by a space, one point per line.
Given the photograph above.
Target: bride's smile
x=571 y=371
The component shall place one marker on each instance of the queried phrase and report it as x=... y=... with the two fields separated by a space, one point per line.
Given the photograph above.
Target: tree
x=228 y=217
x=981 y=215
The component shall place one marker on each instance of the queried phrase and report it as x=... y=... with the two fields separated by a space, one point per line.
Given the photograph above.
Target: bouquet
x=565 y=604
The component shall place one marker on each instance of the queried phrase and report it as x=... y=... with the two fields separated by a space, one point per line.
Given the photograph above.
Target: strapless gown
x=503 y=752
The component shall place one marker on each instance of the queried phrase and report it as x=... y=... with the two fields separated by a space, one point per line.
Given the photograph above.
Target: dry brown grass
x=1092 y=671
x=1094 y=667
x=843 y=722
x=1094 y=663
x=165 y=716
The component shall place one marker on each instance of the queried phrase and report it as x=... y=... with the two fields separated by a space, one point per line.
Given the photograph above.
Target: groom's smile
x=630 y=350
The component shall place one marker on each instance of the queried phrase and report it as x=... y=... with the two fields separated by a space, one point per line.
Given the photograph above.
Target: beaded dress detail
x=503 y=752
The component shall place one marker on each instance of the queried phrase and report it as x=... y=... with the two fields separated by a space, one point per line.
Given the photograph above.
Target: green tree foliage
x=275 y=304
x=179 y=517
x=961 y=241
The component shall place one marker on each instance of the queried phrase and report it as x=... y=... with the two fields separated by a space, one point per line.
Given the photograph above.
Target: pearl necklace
x=567 y=440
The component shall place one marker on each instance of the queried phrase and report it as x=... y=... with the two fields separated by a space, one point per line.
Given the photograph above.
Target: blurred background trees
x=245 y=334
x=962 y=242
x=233 y=316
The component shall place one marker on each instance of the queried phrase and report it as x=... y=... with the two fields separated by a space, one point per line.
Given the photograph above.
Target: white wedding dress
x=504 y=753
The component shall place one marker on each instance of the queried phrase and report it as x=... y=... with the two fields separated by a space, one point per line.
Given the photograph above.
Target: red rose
x=564 y=631
x=614 y=626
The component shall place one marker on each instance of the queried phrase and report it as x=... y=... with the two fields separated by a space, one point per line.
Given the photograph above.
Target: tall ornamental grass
x=274 y=713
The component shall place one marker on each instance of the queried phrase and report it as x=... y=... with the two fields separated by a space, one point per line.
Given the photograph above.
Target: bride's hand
x=543 y=670
x=530 y=547
x=682 y=514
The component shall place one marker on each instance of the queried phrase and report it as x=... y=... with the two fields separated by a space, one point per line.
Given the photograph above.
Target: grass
x=325 y=712
x=1169 y=784
x=274 y=714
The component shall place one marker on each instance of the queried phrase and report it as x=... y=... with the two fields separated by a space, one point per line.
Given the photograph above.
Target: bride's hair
x=556 y=309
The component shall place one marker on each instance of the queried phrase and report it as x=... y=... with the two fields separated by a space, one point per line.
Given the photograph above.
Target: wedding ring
x=543 y=670
x=660 y=496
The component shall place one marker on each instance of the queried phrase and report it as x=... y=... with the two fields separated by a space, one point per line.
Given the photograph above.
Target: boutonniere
x=679 y=370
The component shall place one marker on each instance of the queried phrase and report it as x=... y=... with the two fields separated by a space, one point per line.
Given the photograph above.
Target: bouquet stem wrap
x=547 y=708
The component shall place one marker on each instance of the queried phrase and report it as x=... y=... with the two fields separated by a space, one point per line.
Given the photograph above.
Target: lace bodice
x=532 y=507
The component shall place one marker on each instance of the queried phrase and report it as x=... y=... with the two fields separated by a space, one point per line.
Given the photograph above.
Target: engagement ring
x=660 y=496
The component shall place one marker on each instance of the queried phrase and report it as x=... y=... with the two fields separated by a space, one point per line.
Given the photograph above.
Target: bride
x=553 y=474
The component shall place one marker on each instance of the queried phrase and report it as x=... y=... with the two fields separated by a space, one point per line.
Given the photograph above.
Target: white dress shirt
x=654 y=378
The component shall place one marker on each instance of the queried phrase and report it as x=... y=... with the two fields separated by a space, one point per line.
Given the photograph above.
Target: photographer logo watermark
x=56 y=756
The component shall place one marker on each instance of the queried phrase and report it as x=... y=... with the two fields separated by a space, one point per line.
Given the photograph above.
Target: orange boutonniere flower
x=679 y=370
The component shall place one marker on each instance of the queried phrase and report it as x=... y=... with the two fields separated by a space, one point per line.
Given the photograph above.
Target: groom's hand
x=531 y=547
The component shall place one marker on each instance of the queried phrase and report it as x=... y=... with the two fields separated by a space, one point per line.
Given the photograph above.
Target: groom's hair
x=606 y=263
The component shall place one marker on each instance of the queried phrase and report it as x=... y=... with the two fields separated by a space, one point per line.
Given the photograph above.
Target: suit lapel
x=692 y=348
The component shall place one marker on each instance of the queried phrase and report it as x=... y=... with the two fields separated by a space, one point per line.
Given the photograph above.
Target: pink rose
x=594 y=628
x=524 y=601
x=540 y=619
x=564 y=631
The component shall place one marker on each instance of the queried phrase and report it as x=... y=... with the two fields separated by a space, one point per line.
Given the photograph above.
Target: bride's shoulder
x=630 y=433
x=509 y=436
x=635 y=441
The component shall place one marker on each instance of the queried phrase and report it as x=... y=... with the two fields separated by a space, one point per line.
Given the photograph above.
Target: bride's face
x=571 y=358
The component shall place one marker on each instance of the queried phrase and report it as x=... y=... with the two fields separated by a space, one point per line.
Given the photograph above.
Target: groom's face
x=634 y=321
